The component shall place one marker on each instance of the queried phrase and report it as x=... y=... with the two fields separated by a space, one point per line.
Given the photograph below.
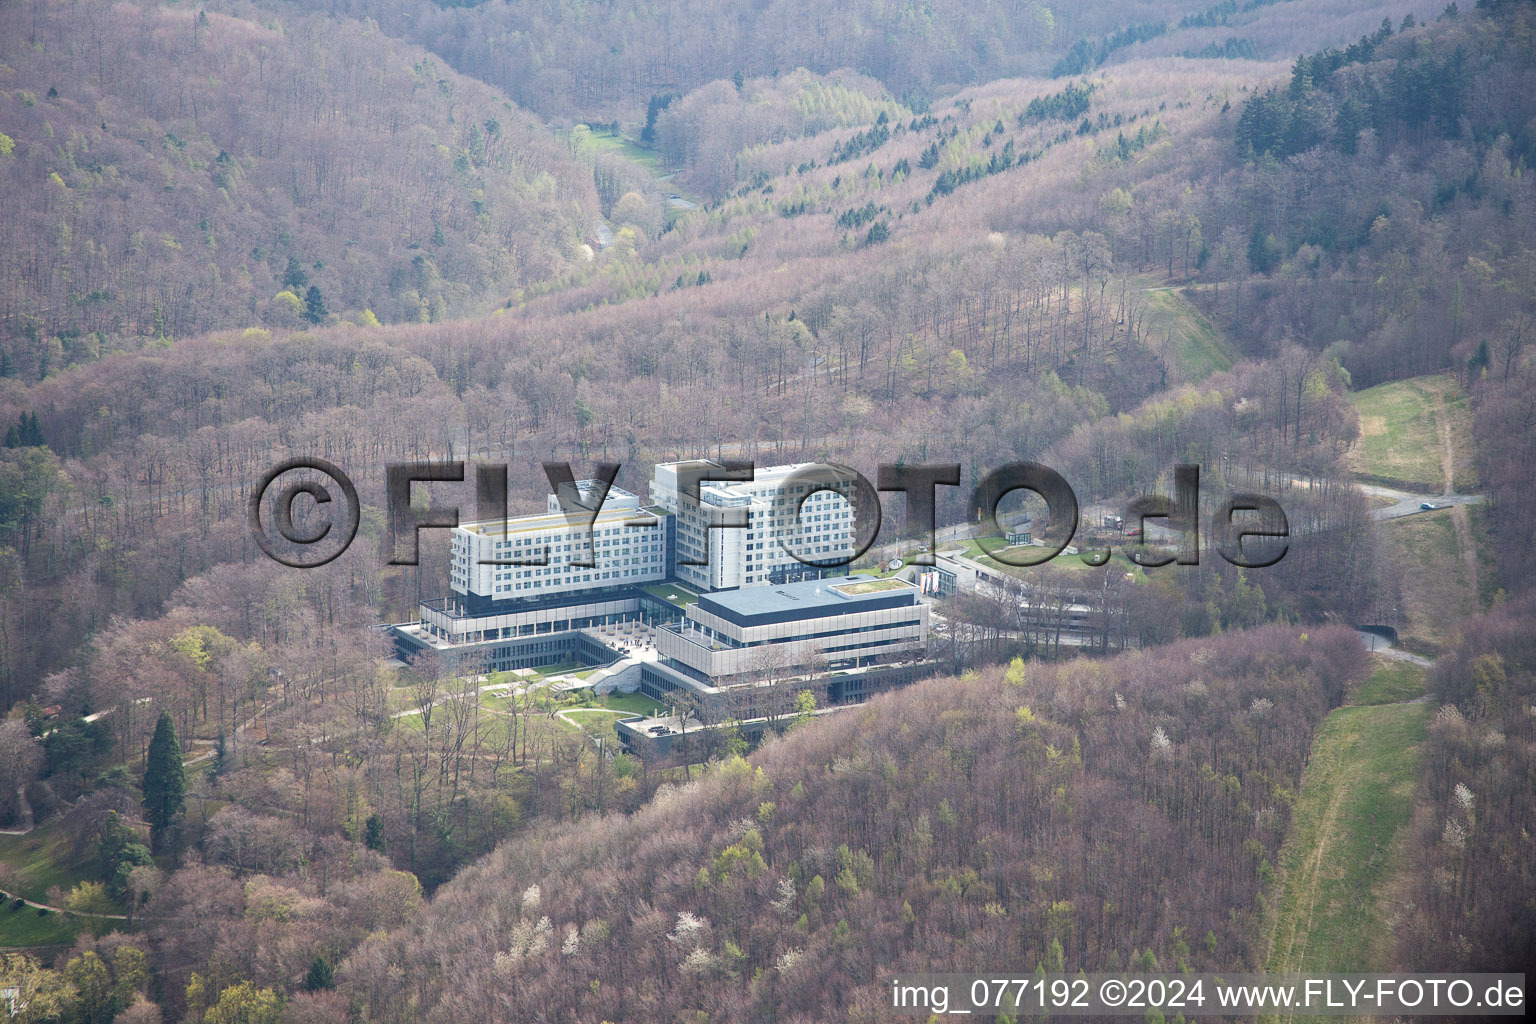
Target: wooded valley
x=1289 y=242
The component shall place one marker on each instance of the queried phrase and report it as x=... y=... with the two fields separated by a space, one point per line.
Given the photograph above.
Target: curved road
x=1406 y=503
x=1377 y=644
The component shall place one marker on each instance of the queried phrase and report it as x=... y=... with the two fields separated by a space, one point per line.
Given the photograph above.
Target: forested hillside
x=1385 y=201
x=593 y=60
x=966 y=285
x=996 y=310
x=1472 y=843
x=1111 y=238
x=169 y=171
x=1083 y=817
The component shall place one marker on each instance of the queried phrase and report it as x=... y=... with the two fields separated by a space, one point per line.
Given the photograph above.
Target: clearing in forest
x=1328 y=913
x=1444 y=560
x=1416 y=434
x=1191 y=342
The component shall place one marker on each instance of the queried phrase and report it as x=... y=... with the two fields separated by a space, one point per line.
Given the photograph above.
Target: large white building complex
x=770 y=511
x=719 y=575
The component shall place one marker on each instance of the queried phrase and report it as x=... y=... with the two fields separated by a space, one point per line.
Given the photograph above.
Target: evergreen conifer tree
x=373 y=833
x=314 y=305
x=165 y=780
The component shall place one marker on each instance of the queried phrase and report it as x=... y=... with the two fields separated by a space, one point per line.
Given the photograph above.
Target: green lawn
x=1327 y=913
x=25 y=928
x=675 y=594
x=621 y=146
x=1391 y=683
x=601 y=720
x=872 y=568
x=593 y=718
x=1403 y=431
x=31 y=864
x=495 y=713
x=1194 y=344
x=630 y=703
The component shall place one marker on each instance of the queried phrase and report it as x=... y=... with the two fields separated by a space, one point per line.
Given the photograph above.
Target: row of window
x=730 y=641
x=595 y=576
x=648 y=555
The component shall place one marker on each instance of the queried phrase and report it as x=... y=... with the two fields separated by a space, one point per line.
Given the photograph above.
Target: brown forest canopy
x=175 y=170
x=603 y=60
x=1153 y=259
x=1087 y=816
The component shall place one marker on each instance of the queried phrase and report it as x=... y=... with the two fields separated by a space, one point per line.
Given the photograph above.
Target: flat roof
x=683 y=463
x=766 y=473
x=552 y=521
x=760 y=606
x=760 y=474
x=614 y=490
x=586 y=491
x=856 y=587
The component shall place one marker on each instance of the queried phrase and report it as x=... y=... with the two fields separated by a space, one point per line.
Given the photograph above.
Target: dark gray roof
x=760 y=606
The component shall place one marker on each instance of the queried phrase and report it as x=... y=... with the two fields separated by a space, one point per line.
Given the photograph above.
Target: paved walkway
x=9 y=896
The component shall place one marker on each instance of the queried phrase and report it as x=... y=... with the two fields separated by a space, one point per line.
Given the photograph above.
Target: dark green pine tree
x=1348 y=123
x=320 y=975
x=314 y=305
x=652 y=111
x=373 y=833
x=1479 y=360
x=165 y=780
x=27 y=433
x=294 y=277
x=1301 y=77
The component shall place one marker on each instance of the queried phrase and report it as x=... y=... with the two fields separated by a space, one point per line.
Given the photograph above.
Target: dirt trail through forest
x=1459 y=519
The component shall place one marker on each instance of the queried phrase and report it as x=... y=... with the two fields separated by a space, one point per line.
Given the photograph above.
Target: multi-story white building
x=525 y=588
x=770 y=511
x=622 y=545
